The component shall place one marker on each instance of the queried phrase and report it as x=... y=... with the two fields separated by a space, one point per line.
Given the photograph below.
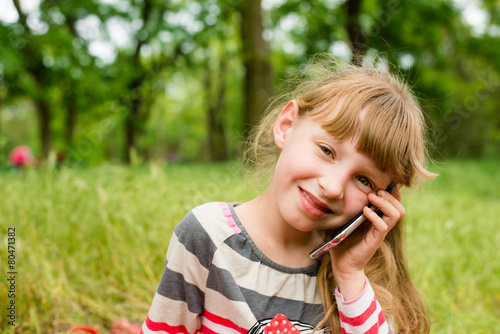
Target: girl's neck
x=274 y=237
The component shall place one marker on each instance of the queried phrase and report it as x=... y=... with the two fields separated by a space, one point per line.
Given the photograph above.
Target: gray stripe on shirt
x=293 y=309
x=220 y=279
x=173 y=286
x=196 y=240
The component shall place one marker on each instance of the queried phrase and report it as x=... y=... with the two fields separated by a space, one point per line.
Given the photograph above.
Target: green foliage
x=98 y=238
x=456 y=82
x=173 y=49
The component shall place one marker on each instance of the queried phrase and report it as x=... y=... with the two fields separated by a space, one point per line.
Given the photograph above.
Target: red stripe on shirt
x=161 y=326
x=223 y=322
x=360 y=319
x=375 y=328
x=205 y=330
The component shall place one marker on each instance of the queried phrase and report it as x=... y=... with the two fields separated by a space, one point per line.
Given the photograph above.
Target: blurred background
x=155 y=80
x=111 y=90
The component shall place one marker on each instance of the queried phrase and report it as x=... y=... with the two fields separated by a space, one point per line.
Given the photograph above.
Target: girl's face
x=320 y=182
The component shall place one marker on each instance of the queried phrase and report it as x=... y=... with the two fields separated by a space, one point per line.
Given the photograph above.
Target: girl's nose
x=333 y=184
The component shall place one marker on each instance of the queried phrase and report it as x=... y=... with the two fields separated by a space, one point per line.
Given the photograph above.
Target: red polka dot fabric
x=279 y=325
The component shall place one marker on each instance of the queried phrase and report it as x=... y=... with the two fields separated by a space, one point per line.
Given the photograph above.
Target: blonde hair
x=382 y=113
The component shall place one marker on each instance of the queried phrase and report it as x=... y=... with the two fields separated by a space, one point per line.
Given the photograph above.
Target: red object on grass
x=122 y=326
x=125 y=326
x=84 y=329
x=21 y=156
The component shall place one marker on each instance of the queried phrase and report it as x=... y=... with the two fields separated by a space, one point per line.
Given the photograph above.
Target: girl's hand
x=351 y=256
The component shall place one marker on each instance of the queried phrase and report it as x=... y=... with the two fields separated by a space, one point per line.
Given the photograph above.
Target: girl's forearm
x=351 y=285
x=361 y=314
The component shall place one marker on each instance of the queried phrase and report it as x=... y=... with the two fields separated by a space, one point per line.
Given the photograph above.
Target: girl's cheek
x=355 y=204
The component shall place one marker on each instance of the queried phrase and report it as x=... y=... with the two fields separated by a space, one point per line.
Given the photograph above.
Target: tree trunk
x=44 y=118
x=70 y=121
x=359 y=40
x=217 y=142
x=132 y=122
x=36 y=68
x=258 y=87
x=1 y=104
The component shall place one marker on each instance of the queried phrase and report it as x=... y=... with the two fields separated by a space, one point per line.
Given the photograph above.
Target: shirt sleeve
x=179 y=299
x=362 y=315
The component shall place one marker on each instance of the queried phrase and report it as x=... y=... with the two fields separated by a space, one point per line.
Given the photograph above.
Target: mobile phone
x=338 y=235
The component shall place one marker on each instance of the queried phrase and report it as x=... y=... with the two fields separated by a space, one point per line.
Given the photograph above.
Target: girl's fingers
x=389 y=204
x=379 y=227
x=354 y=253
x=391 y=208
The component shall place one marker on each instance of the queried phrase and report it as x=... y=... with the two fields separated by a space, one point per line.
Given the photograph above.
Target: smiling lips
x=313 y=205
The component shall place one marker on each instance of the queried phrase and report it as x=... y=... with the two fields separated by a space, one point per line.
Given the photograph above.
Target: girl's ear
x=284 y=122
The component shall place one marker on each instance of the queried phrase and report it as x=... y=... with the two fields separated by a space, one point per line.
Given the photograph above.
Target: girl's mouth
x=312 y=204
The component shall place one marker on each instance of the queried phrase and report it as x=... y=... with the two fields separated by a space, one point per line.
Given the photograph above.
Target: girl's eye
x=365 y=181
x=326 y=150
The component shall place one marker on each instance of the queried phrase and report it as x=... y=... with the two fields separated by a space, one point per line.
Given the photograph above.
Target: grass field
x=90 y=243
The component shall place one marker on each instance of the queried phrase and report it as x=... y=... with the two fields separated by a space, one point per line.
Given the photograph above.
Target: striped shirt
x=216 y=280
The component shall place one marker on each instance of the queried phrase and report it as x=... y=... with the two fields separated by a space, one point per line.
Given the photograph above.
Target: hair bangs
x=385 y=131
x=385 y=138
x=340 y=115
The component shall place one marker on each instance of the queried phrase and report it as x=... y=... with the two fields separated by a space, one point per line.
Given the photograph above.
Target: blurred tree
x=48 y=62
x=138 y=75
x=451 y=65
x=358 y=38
x=82 y=84
x=75 y=96
x=257 y=62
x=53 y=56
x=40 y=81
x=143 y=68
x=214 y=60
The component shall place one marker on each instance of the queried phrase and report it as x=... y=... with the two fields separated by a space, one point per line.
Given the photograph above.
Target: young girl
x=245 y=267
